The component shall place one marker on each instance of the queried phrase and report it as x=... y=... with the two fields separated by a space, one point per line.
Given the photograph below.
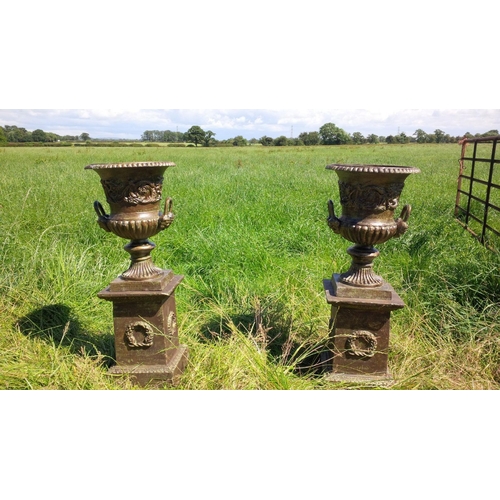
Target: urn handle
x=169 y=203
x=99 y=209
x=333 y=220
x=403 y=219
x=167 y=217
x=103 y=217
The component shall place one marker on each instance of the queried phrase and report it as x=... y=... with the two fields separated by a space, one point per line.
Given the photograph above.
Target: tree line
x=12 y=133
x=328 y=134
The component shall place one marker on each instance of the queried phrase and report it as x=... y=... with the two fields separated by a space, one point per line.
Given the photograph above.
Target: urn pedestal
x=144 y=310
x=145 y=325
x=361 y=301
x=359 y=332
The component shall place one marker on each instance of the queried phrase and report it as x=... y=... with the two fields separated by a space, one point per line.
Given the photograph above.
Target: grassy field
x=251 y=239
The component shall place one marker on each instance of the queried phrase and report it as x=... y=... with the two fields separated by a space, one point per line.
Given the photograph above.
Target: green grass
x=251 y=239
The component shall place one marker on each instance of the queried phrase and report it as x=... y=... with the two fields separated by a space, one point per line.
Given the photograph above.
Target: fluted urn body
x=133 y=192
x=369 y=196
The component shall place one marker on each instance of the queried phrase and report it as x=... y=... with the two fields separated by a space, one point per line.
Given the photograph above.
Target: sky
x=250 y=123
x=252 y=72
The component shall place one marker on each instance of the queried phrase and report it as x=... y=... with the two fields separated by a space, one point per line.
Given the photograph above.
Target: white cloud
x=131 y=123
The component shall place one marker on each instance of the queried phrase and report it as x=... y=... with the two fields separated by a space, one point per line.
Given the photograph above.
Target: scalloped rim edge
x=383 y=169
x=96 y=166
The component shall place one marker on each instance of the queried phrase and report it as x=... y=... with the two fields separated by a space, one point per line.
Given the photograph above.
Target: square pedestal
x=145 y=326
x=359 y=331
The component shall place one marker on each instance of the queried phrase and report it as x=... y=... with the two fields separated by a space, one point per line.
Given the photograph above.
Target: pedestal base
x=145 y=325
x=359 y=331
x=365 y=380
x=154 y=375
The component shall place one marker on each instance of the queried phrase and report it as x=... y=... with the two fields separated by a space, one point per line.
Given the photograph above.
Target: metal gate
x=477 y=206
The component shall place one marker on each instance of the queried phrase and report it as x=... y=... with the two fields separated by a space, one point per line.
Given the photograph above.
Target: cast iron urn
x=133 y=191
x=369 y=195
x=143 y=296
x=361 y=300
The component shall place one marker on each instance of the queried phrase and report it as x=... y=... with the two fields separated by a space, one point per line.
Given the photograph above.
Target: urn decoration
x=369 y=196
x=133 y=192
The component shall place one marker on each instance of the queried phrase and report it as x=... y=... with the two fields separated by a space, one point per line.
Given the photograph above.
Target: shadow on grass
x=57 y=325
x=307 y=358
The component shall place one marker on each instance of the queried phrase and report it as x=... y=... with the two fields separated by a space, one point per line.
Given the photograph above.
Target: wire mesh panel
x=477 y=205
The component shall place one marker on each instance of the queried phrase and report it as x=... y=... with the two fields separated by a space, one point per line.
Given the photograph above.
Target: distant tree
x=239 y=140
x=331 y=134
x=51 y=137
x=169 y=136
x=358 y=138
x=390 y=139
x=84 y=136
x=153 y=136
x=402 y=138
x=280 y=141
x=17 y=134
x=209 y=140
x=382 y=138
x=3 y=136
x=439 y=135
x=162 y=136
x=38 y=135
x=490 y=133
x=253 y=141
x=420 y=135
x=310 y=138
x=266 y=140
x=373 y=139
x=196 y=134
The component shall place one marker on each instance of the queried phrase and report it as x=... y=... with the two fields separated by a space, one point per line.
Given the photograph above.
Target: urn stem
x=141 y=267
x=361 y=271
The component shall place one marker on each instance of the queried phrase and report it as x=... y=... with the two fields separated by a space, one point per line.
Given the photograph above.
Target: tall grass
x=250 y=237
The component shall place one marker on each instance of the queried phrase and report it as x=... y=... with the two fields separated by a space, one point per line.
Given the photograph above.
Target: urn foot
x=361 y=271
x=141 y=267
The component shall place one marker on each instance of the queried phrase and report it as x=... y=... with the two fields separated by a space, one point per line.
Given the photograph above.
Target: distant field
x=250 y=234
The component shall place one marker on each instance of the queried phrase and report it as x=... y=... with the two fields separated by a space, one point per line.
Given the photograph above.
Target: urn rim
x=134 y=164
x=367 y=168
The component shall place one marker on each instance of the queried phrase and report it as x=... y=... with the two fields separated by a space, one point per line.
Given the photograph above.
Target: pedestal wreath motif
x=143 y=296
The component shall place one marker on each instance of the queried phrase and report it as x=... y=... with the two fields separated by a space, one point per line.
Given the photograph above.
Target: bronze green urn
x=133 y=192
x=144 y=308
x=369 y=196
x=361 y=301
